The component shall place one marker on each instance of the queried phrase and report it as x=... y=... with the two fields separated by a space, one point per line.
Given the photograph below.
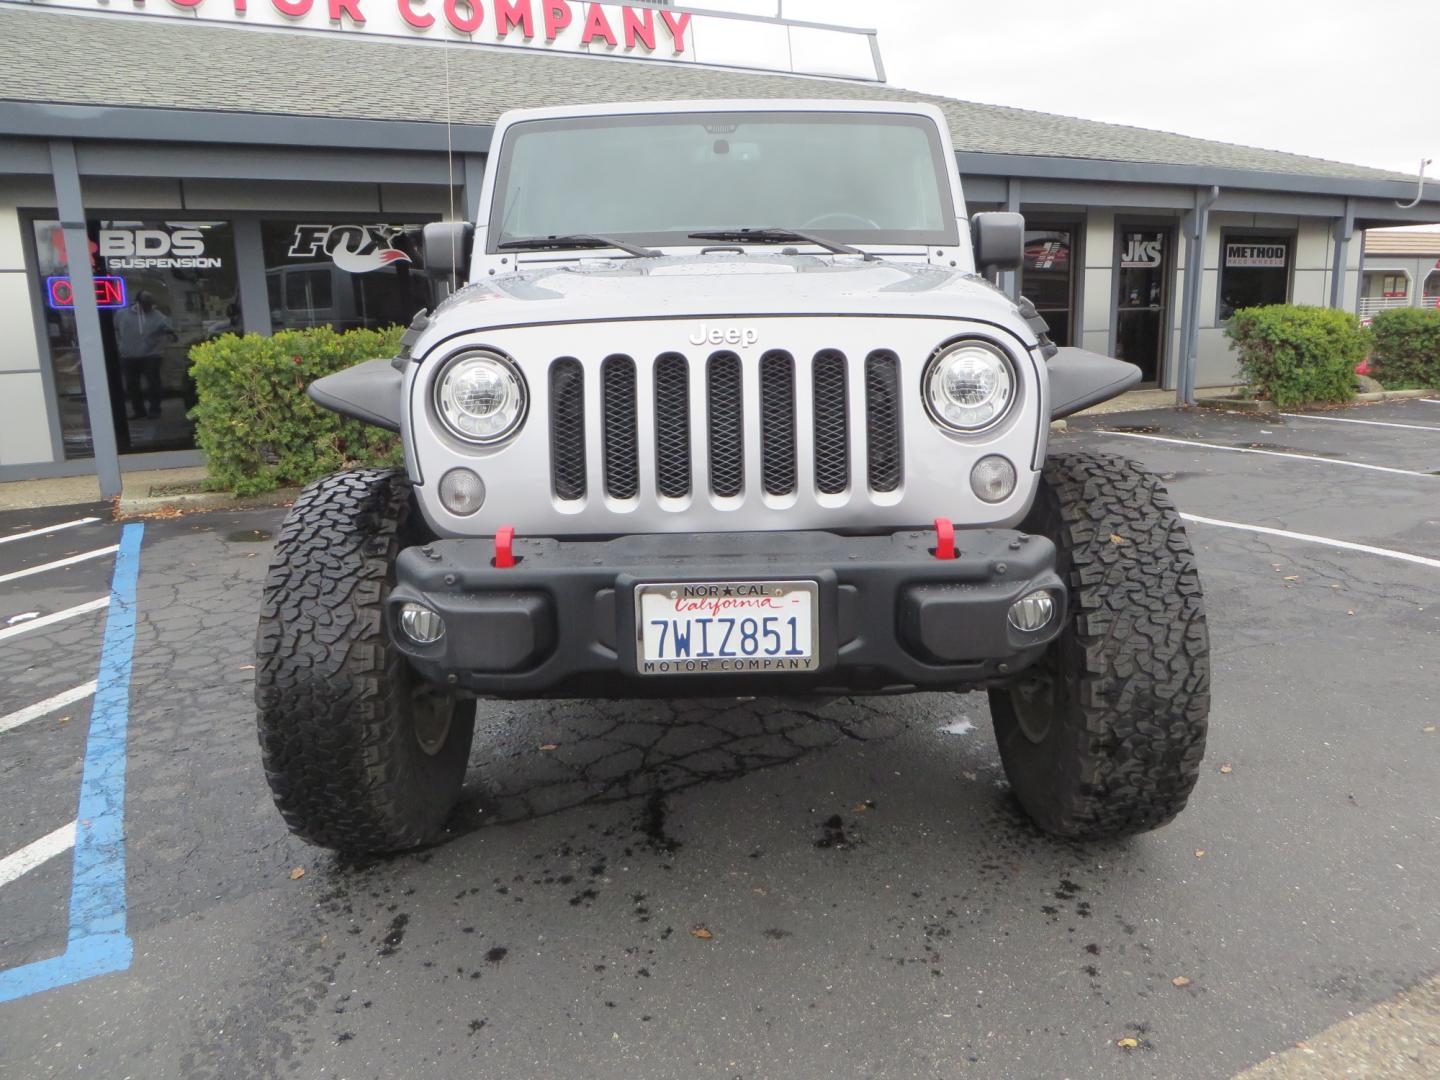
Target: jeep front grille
x=726 y=401
x=882 y=420
x=620 y=427
x=567 y=428
x=777 y=423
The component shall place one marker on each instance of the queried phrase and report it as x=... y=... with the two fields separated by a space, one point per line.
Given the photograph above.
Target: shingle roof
x=137 y=61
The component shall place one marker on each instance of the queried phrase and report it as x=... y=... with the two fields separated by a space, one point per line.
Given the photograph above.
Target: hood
x=691 y=286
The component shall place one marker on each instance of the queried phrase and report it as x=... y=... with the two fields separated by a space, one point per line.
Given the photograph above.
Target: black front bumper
x=561 y=622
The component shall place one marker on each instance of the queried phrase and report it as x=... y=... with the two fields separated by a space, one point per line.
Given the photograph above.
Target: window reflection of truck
x=320 y=294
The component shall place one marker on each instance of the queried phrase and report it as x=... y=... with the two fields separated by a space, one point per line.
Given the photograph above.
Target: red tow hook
x=505 y=547
x=944 y=538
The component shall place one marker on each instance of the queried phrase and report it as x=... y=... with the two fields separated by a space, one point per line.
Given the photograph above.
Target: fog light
x=462 y=492
x=992 y=479
x=421 y=625
x=1032 y=612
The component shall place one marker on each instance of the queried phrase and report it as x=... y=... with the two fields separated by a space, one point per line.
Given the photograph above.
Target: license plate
x=724 y=627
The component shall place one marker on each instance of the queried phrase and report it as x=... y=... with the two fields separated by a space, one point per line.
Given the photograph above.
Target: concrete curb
x=1268 y=408
x=1240 y=405
x=141 y=506
x=1394 y=395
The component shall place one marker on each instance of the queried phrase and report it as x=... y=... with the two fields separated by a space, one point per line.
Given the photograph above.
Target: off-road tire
x=1103 y=737
x=338 y=705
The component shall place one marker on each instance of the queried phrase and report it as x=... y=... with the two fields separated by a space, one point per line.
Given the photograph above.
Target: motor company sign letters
x=604 y=27
x=643 y=30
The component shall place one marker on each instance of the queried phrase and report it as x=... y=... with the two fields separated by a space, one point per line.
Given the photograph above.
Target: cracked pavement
x=874 y=902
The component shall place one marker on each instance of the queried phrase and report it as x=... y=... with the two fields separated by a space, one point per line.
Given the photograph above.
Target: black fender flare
x=370 y=392
x=1079 y=379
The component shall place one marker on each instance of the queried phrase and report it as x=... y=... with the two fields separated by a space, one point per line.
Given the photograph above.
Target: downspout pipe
x=1195 y=238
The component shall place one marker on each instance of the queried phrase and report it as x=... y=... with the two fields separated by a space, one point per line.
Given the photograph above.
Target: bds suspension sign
x=637 y=30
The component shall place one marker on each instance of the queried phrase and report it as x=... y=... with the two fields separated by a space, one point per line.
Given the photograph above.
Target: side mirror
x=446 y=249
x=999 y=241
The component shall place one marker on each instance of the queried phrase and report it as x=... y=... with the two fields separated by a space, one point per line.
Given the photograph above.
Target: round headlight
x=481 y=397
x=969 y=386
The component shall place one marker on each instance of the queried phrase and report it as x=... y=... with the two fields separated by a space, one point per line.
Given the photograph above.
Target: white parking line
x=58 y=563
x=1388 y=553
x=46 y=707
x=1267 y=453
x=47 y=531
x=30 y=856
x=1372 y=423
x=53 y=618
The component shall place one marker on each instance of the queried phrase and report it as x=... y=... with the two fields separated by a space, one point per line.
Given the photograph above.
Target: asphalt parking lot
x=737 y=888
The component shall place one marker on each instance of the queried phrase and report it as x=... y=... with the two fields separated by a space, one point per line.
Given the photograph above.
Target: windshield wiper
x=578 y=240
x=780 y=236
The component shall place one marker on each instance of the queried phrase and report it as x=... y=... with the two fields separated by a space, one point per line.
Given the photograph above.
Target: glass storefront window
x=163 y=286
x=1048 y=278
x=342 y=274
x=1255 y=272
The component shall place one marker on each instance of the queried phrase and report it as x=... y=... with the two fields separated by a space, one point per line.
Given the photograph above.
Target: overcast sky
x=1341 y=79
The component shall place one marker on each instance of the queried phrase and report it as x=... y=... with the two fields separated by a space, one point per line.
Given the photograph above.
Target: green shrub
x=1293 y=354
x=254 y=421
x=1406 y=352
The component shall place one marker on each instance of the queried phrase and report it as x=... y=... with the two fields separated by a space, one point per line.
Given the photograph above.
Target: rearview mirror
x=999 y=241
x=447 y=249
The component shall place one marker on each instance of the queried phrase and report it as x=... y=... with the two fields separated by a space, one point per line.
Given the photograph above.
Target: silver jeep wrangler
x=728 y=407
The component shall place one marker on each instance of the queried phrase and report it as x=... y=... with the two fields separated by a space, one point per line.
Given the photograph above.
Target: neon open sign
x=109 y=293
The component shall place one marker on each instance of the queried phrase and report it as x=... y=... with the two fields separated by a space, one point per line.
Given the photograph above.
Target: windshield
x=859 y=178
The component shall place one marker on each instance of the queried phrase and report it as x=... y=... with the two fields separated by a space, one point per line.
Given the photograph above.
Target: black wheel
x=1103 y=737
x=361 y=755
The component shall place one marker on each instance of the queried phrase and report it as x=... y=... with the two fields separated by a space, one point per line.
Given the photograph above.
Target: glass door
x=1048 y=277
x=1142 y=299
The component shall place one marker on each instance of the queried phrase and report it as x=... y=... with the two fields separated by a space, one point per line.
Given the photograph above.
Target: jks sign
x=356 y=249
x=1143 y=251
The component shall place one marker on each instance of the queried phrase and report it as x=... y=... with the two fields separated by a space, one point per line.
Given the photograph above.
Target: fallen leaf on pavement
x=1116 y=538
x=548 y=747
x=1429 y=729
x=1127 y=1043
x=1179 y=980
x=247 y=667
x=702 y=933
x=66 y=720
x=1199 y=853
x=861 y=807
x=1227 y=768
x=297 y=873
x=1292 y=577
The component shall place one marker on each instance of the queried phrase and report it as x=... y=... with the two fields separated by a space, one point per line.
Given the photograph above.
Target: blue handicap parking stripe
x=97 y=943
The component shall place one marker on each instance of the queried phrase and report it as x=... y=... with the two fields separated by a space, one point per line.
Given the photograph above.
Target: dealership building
x=253 y=165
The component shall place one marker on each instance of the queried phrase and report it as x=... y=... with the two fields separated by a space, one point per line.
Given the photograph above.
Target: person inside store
x=141 y=332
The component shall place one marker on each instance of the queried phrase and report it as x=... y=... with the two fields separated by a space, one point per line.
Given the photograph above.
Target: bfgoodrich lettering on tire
x=361 y=756
x=1103 y=737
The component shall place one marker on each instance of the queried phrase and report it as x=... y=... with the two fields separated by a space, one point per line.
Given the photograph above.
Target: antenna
x=450 y=168
x=1420 y=192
